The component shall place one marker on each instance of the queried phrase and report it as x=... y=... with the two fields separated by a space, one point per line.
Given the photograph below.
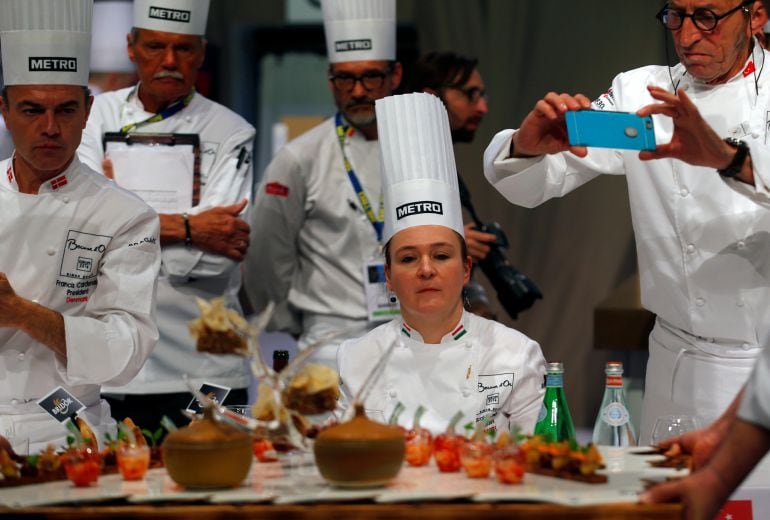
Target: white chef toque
x=174 y=16
x=45 y=42
x=360 y=30
x=113 y=19
x=419 y=175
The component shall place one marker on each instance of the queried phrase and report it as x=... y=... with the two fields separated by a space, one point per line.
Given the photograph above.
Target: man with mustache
x=318 y=212
x=202 y=248
x=79 y=256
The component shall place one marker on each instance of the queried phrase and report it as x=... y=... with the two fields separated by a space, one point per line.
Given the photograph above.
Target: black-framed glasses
x=704 y=19
x=371 y=79
x=473 y=94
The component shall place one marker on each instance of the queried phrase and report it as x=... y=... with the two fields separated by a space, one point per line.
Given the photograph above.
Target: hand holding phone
x=607 y=129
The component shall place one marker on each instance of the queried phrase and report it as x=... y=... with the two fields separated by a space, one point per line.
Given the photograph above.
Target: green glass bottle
x=554 y=422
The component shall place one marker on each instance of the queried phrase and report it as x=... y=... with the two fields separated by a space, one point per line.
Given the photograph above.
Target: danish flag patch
x=749 y=69
x=59 y=182
x=277 y=189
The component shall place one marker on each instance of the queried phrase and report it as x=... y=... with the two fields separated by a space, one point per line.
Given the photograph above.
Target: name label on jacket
x=82 y=253
x=174 y=15
x=353 y=45
x=416 y=208
x=52 y=64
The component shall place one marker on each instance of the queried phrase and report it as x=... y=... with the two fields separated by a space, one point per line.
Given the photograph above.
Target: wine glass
x=668 y=426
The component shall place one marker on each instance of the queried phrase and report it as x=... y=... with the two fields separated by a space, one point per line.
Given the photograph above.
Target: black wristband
x=736 y=165
x=187 y=232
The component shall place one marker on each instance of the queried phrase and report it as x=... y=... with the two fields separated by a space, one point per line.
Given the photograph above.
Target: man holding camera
x=456 y=80
x=699 y=202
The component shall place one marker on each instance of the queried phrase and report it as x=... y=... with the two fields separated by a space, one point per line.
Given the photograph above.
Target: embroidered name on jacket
x=173 y=15
x=353 y=45
x=52 y=64
x=416 y=208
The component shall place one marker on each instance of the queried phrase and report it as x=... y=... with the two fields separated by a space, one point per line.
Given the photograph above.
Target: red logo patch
x=736 y=510
x=58 y=182
x=10 y=175
x=277 y=189
x=749 y=69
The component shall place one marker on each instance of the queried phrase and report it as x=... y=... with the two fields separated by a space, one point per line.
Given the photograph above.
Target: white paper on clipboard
x=161 y=175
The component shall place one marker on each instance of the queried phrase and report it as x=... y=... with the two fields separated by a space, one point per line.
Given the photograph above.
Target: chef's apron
x=691 y=375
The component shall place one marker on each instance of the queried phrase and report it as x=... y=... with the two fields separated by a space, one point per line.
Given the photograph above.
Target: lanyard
x=376 y=220
x=160 y=116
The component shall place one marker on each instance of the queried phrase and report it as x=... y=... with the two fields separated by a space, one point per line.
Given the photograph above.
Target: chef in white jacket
x=79 y=256
x=699 y=203
x=202 y=248
x=318 y=211
x=445 y=358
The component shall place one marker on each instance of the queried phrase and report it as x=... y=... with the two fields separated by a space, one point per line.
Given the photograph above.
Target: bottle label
x=615 y=381
x=554 y=380
x=543 y=412
x=615 y=414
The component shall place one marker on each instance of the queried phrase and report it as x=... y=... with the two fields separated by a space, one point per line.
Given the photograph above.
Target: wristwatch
x=736 y=165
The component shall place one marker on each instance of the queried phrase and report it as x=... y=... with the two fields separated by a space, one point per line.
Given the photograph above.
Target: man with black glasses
x=699 y=202
x=318 y=214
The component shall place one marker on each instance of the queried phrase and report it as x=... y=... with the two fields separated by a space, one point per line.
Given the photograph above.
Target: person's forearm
x=44 y=325
x=172 y=229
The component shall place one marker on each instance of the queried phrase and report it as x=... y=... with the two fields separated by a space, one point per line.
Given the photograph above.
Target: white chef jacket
x=481 y=368
x=702 y=240
x=314 y=235
x=755 y=405
x=186 y=273
x=89 y=250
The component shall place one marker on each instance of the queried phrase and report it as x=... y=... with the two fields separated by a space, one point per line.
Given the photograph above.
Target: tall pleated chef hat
x=45 y=42
x=419 y=175
x=113 y=19
x=360 y=30
x=174 y=16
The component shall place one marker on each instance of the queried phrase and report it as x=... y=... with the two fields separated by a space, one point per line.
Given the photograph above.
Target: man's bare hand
x=477 y=242
x=9 y=303
x=221 y=231
x=702 y=494
x=693 y=140
x=701 y=444
x=544 y=131
x=109 y=171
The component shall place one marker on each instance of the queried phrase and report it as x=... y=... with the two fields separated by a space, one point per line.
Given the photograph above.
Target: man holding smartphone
x=699 y=201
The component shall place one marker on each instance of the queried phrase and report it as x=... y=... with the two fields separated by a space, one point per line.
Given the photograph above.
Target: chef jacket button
x=468 y=346
x=711 y=340
x=466 y=392
x=745 y=346
x=51 y=251
x=14 y=401
x=740 y=302
x=393 y=394
x=690 y=249
x=188 y=119
x=755 y=135
x=65 y=199
x=35 y=300
x=700 y=302
x=20 y=356
x=741 y=244
x=684 y=192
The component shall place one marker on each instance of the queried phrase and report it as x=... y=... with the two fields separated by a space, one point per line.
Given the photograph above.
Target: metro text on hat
x=52 y=64
x=416 y=208
x=173 y=15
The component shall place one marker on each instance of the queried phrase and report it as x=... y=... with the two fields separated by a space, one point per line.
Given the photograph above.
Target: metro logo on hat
x=419 y=175
x=45 y=42
x=360 y=30
x=174 y=16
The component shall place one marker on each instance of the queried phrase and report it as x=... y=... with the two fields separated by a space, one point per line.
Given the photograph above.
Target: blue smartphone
x=606 y=129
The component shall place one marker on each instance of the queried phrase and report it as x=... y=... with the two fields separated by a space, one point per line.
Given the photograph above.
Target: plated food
x=219 y=330
x=567 y=460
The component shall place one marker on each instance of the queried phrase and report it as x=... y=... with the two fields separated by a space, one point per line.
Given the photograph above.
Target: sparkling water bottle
x=613 y=426
x=554 y=422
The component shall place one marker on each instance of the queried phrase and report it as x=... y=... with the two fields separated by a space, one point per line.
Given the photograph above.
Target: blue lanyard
x=376 y=220
x=160 y=116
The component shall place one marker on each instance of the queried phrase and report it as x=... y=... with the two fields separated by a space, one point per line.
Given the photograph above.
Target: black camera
x=515 y=291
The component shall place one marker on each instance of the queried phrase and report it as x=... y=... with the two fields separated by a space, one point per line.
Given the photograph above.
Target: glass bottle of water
x=613 y=426
x=554 y=422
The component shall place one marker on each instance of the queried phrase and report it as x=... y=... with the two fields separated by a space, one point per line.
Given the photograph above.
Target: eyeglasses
x=473 y=94
x=370 y=80
x=704 y=19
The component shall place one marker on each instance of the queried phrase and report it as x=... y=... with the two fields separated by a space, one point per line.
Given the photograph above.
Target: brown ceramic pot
x=207 y=454
x=360 y=452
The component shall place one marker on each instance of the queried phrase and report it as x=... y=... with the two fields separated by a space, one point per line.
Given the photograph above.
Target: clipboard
x=162 y=169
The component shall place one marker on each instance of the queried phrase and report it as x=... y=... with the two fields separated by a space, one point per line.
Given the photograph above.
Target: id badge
x=381 y=304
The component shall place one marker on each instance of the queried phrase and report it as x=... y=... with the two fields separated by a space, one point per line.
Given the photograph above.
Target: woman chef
x=445 y=359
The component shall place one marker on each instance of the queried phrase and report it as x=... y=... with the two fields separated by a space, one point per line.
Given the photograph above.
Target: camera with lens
x=515 y=291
